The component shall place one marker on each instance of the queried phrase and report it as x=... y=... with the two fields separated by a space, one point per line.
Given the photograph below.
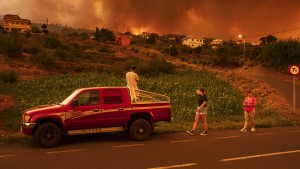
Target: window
x=88 y=98
x=112 y=96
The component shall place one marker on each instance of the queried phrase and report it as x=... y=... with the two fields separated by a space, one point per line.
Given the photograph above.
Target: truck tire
x=140 y=129
x=48 y=135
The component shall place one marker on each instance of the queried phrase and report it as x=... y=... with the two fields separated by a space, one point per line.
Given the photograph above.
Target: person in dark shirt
x=201 y=112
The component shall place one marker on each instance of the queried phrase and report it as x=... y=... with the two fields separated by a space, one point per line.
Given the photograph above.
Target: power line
x=273 y=33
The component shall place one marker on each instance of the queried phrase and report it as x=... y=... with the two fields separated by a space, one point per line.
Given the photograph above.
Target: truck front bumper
x=27 y=128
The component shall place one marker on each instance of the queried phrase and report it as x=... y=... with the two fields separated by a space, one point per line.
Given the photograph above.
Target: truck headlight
x=26 y=118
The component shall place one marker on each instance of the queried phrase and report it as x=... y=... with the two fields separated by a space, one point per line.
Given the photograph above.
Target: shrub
x=51 y=42
x=198 y=50
x=84 y=36
x=35 y=48
x=27 y=34
x=186 y=49
x=157 y=65
x=8 y=76
x=11 y=44
x=116 y=70
x=63 y=54
x=227 y=56
x=105 y=49
x=281 y=54
x=104 y=35
x=173 y=51
x=35 y=30
x=45 y=59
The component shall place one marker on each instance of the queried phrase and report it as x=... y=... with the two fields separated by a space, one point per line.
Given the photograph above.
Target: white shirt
x=131 y=79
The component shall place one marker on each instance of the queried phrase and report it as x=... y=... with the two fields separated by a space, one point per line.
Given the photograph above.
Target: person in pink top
x=249 y=111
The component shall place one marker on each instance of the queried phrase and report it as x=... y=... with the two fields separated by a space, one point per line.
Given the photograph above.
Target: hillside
x=74 y=54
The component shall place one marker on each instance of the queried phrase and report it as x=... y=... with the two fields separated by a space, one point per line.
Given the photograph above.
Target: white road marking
x=3 y=156
x=261 y=155
x=226 y=137
x=182 y=141
x=261 y=134
x=129 y=145
x=176 y=166
x=294 y=131
x=65 y=151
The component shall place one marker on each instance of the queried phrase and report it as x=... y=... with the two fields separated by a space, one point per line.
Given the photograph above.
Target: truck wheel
x=140 y=130
x=48 y=135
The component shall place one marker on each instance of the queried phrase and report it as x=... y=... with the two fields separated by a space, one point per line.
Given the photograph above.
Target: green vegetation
x=11 y=44
x=51 y=42
x=154 y=67
x=228 y=56
x=8 y=76
x=224 y=101
x=36 y=30
x=44 y=58
x=157 y=74
x=104 y=35
x=281 y=54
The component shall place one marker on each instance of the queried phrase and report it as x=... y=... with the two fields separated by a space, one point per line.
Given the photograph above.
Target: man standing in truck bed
x=132 y=80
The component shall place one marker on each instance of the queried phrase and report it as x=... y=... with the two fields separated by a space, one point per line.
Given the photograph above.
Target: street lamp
x=170 y=49
x=244 y=49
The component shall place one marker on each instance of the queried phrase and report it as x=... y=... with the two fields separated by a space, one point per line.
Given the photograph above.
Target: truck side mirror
x=74 y=103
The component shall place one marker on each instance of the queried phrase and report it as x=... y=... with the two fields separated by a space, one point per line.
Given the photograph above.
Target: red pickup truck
x=96 y=110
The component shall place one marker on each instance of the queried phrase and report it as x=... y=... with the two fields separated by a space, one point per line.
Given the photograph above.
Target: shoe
x=192 y=132
x=204 y=133
x=253 y=129
x=243 y=130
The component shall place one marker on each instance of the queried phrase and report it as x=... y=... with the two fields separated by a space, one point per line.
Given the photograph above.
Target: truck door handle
x=120 y=108
x=96 y=110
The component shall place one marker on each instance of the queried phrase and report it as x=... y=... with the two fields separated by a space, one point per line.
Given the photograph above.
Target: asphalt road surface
x=267 y=148
x=285 y=89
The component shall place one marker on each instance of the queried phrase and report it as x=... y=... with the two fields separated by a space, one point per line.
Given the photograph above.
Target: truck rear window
x=112 y=96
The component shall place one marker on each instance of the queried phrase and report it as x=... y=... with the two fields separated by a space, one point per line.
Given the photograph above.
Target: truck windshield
x=68 y=99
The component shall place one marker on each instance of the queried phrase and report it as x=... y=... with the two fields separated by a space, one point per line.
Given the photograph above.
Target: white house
x=217 y=42
x=192 y=42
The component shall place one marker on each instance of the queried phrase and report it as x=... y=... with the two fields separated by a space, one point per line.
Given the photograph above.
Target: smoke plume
x=208 y=18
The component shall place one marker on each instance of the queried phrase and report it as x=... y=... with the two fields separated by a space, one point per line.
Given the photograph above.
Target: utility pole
x=294 y=71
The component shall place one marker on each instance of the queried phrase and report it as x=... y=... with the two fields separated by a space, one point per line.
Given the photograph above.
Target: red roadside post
x=294 y=71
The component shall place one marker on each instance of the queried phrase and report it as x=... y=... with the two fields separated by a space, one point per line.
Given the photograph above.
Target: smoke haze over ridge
x=208 y=18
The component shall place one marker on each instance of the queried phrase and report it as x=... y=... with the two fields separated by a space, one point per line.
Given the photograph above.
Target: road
x=284 y=88
x=267 y=148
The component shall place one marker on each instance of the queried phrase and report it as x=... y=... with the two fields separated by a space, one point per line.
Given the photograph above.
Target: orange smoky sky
x=208 y=18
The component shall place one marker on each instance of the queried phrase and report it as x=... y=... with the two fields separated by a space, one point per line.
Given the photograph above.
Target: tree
x=151 y=38
x=198 y=50
x=173 y=50
x=44 y=26
x=35 y=30
x=104 y=35
x=128 y=33
x=281 y=54
x=268 y=40
x=45 y=29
